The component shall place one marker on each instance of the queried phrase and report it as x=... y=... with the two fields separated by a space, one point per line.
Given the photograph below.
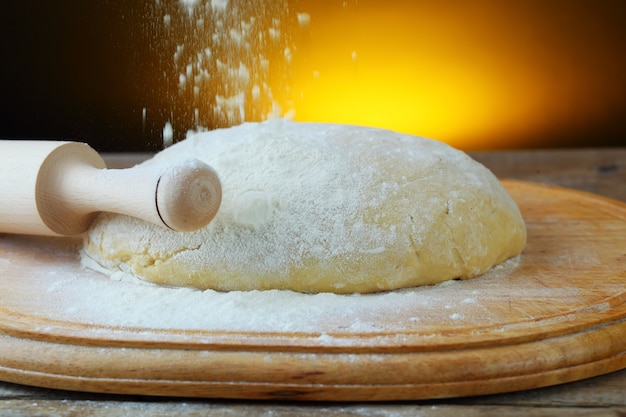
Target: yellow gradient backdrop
x=475 y=74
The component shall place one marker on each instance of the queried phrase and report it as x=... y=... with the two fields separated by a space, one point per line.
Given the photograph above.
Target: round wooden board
x=555 y=314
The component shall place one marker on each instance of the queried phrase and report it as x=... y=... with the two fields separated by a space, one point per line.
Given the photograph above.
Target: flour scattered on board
x=72 y=295
x=96 y=299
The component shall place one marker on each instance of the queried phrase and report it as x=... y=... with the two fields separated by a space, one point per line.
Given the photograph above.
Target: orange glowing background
x=475 y=74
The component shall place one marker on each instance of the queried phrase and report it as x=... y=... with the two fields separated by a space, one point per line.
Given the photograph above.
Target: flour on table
x=95 y=299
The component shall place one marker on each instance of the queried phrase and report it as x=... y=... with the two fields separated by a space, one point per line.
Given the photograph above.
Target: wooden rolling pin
x=58 y=188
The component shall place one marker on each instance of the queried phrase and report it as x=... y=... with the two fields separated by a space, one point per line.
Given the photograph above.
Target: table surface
x=599 y=171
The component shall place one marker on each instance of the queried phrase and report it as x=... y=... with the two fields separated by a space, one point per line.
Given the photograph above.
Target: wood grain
x=556 y=315
x=598 y=171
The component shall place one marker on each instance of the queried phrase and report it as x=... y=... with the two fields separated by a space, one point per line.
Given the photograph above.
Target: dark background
x=81 y=70
x=86 y=70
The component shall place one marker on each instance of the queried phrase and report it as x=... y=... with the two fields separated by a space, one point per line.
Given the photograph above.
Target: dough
x=322 y=208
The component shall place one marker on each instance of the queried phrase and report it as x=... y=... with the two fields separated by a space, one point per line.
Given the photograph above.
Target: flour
x=253 y=208
x=168 y=135
x=231 y=60
x=220 y=5
x=136 y=304
x=304 y=19
x=190 y=3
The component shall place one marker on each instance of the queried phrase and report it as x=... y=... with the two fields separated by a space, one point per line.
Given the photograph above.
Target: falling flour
x=230 y=61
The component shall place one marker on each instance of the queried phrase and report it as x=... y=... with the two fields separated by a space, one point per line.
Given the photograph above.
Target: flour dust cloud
x=229 y=61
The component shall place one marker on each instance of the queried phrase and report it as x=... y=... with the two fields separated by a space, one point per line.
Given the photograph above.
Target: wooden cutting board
x=555 y=314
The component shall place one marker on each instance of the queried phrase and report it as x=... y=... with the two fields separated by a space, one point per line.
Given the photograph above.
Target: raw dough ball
x=323 y=208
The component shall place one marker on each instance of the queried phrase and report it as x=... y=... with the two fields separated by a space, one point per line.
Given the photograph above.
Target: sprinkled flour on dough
x=320 y=207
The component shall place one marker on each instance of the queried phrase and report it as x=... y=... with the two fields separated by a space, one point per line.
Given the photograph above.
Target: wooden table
x=600 y=171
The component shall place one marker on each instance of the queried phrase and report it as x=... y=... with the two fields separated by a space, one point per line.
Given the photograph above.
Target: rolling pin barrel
x=58 y=188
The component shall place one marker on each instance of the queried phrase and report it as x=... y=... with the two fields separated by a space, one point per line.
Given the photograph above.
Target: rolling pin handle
x=58 y=188
x=188 y=196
